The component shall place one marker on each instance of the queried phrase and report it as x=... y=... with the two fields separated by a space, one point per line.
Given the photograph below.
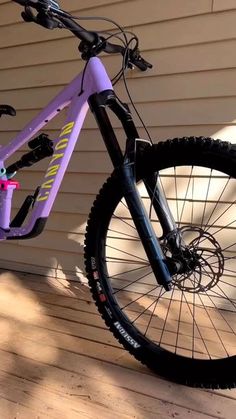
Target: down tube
x=95 y=81
x=63 y=149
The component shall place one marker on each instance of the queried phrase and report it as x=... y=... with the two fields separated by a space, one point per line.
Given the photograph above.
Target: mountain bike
x=160 y=244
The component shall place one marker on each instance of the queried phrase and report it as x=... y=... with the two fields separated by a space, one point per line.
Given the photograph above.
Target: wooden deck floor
x=57 y=360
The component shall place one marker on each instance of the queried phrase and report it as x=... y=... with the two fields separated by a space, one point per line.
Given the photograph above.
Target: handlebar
x=37 y=4
x=51 y=16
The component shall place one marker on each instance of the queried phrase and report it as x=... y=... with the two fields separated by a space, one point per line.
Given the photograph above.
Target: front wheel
x=187 y=334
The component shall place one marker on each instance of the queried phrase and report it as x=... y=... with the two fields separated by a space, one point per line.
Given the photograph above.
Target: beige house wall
x=190 y=91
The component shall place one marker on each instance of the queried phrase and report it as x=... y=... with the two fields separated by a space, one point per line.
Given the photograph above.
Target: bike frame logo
x=53 y=168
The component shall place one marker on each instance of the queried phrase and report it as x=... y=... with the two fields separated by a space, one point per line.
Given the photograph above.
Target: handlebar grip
x=138 y=61
x=142 y=64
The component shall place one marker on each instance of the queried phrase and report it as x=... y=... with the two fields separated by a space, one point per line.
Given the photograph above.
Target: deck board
x=57 y=359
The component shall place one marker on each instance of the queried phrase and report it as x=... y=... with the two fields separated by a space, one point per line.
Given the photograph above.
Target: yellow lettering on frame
x=56 y=157
x=62 y=144
x=67 y=129
x=43 y=197
x=52 y=171
x=47 y=184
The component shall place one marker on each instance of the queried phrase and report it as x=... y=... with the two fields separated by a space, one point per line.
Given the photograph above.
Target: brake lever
x=142 y=64
x=41 y=19
x=136 y=60
x=46 y=21
x=28 y=15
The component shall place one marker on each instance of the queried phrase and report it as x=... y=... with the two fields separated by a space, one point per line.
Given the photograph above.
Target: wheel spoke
x=218 y=200
x=128 y=271
x=219 y=311
x=186 y=194
x=123 y=221
x=212 y=225
x=113 y=259
x=147 y=308
x=167 y=314
x=176 y=198
x=126 y=253
x=131 y=283
x=212 y=323
x=197 y=327
x=129 y=236
x=141 y=296
x=178 y=321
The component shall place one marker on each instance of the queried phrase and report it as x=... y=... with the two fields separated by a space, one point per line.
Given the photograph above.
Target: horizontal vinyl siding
x=191 y=90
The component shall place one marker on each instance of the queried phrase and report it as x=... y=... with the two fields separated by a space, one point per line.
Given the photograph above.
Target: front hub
x=198 y=266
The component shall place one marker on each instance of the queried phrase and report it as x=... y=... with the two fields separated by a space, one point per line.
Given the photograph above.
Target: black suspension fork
x=159 y=203
x=124 y=167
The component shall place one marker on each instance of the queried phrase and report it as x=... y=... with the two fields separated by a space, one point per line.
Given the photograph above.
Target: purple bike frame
x=94 y=80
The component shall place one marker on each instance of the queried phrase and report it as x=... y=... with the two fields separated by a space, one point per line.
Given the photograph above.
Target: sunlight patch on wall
x=227 y=133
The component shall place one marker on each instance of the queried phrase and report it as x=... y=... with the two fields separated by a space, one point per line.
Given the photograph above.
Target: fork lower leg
x=144 y=227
